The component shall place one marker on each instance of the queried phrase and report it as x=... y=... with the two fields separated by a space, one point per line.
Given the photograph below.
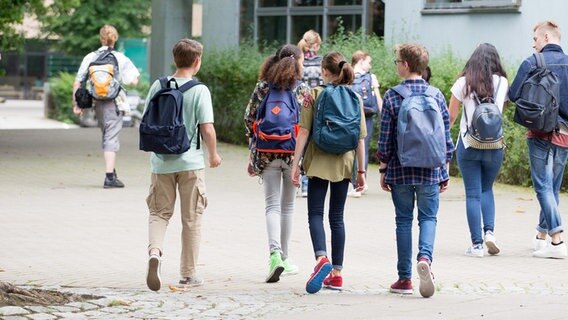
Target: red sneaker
x=403 y=286
x=333 y=282
x=321 y=270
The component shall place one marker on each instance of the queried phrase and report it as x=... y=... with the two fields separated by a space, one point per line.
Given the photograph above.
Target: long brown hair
x=283 y=68
x=341 y=72
x=479 y=71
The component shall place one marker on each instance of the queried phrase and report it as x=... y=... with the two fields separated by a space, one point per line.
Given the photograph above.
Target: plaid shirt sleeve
x=386 y=148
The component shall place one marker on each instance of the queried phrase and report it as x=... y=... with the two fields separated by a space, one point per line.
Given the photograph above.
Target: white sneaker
x=365 y=189
x=491 y=243
x=538 y=244
x=552 y=251
x=354 y=194
x=475 y=250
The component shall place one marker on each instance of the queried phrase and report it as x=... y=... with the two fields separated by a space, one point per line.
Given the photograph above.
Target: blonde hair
x=309 y=39
x=550 y=27
x=108 y=35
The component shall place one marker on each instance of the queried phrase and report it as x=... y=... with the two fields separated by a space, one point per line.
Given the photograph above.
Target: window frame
x=472 y=6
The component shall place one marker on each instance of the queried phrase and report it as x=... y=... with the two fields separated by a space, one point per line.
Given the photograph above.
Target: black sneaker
x=113 y=183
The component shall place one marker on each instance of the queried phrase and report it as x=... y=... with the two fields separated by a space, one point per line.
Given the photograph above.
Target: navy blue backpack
x=162 y=129
x=362 y=85
x=277 y=122
x=337 y=120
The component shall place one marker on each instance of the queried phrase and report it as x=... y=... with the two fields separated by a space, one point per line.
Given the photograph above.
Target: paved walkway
x=60 y=229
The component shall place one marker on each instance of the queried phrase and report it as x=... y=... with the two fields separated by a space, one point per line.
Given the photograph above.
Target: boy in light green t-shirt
x=184 y=172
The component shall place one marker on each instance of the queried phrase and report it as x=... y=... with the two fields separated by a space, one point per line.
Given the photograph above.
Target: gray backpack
x=421 y=134
x=486 y=129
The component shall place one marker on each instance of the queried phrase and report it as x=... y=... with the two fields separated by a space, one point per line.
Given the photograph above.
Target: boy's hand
x=76 y=109
x=444 y=185
x=215 y=160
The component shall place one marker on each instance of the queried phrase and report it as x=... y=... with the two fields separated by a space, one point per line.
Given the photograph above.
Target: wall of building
x=511 y=33
x=220 y=23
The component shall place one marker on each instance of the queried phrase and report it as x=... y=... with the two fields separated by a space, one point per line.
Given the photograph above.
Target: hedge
x=231 y=75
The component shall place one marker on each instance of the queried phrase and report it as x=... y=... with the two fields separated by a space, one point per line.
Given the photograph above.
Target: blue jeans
x=547 y=169
x=427 y=199
x=479 y=169
x=316 y=202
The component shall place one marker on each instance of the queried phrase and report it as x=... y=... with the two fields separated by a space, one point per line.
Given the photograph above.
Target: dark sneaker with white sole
x=153 y=279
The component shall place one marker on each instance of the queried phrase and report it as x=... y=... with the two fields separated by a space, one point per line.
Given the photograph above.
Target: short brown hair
x=414 y=54
x=550 y=26
x=358 y=56
x=185 y=52
x=108 y=35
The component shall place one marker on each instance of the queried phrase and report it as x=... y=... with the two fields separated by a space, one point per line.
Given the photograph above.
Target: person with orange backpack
x=272 y=122
x=100 y=76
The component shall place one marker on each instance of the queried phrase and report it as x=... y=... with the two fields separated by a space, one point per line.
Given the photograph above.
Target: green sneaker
x=289 y=269
x=275 y=267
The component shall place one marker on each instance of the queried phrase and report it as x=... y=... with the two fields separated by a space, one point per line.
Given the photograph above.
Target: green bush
x=61 y=88
x=231 y=75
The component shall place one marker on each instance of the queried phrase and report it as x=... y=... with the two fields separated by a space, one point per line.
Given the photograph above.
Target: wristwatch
x=382 y=170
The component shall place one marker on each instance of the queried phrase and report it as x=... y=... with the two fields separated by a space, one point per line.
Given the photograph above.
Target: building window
x=301 y=24
x=272 y=29
x=272 y=3
x=285 y=21
x=465 y=6
x=350 y=23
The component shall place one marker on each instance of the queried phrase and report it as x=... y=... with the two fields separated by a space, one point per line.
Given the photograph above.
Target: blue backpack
x=362 y=86
x=277 y=122
x=421 y=135
x=337 y=120
x=162 y=129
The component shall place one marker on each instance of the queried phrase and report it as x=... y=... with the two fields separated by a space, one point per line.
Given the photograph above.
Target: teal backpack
x=337 y=120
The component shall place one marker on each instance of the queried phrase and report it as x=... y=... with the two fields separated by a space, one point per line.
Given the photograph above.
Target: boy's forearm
x=209 y=137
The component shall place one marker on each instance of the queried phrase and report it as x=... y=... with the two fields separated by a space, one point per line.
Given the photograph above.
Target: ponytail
x=340 y=70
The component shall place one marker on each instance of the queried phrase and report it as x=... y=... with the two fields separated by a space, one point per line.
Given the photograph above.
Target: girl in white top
x=483 y=76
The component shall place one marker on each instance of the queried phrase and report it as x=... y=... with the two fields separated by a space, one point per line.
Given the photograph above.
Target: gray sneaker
x=191 y=281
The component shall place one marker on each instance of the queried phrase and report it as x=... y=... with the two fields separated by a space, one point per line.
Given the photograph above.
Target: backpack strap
x=183 y=88
x=431 y=91
x=402 y=90
x=188 y=85
x=540 y=63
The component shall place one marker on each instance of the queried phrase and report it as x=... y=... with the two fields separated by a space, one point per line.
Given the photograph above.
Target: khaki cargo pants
x=161 y=202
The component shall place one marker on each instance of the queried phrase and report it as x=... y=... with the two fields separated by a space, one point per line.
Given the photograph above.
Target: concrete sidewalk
x=60 y=229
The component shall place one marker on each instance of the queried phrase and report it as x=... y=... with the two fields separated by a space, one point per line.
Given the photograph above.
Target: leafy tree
x=11 y=15
x=77 y=24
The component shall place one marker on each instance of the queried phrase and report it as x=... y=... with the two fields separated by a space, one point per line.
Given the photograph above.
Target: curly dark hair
x=282 y=69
